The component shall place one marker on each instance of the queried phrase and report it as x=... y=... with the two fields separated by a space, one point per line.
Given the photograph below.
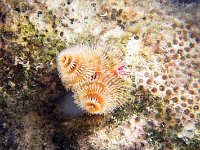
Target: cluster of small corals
x=170 y=70
x=89 y=73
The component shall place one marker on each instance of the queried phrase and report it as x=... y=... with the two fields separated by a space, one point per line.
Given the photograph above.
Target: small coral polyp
x=90 y=74
x=102 y=94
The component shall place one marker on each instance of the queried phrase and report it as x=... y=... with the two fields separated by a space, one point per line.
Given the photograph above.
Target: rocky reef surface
x=156 y=42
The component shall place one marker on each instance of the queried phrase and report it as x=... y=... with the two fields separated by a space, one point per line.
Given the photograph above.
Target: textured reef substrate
x=157 y=41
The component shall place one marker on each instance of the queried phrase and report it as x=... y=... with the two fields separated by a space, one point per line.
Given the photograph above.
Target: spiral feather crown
x=101 y=95
x=90 y=74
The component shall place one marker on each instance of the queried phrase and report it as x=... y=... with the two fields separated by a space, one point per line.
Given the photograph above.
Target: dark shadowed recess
x=65 y=141
x=8 y=138
x=67 y=107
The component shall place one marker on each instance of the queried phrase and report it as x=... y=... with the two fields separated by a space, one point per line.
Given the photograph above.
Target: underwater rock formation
x=156 y=49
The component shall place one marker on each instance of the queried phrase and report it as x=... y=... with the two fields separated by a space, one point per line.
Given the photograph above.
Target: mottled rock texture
x=160 y=36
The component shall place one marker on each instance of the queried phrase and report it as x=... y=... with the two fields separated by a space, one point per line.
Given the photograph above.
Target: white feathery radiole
x=89 y=72
x=101 y=95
